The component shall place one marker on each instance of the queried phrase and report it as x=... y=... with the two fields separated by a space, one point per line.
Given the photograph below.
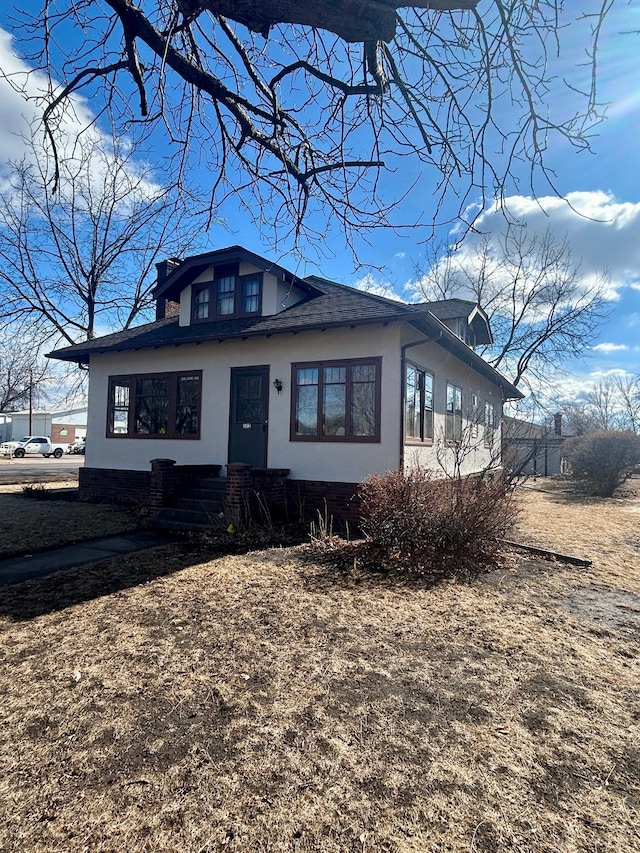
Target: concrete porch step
x=202 y=494
x=210 y=505
x=188 y=517
x=217 y=484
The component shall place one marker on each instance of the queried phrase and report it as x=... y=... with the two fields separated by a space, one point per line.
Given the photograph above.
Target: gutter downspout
x=403 y=387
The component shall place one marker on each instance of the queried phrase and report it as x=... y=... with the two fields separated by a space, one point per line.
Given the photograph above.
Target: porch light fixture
x=277 y=384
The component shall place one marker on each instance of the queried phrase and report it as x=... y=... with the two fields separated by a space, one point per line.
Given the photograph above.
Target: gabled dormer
x=465 y=319
x=223 y=285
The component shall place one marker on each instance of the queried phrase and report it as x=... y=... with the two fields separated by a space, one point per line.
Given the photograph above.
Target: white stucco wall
x=332 y=461
x=472 y=454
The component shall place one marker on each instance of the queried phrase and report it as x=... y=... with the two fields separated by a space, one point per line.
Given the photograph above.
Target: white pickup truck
x=31 y=445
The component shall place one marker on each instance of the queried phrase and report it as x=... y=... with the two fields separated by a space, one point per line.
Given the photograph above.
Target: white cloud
x=22 y=99
x=378 y=288
x=602 y=232
x=607 y=347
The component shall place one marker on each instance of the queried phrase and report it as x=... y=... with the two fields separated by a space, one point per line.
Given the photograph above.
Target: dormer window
x=228 y=295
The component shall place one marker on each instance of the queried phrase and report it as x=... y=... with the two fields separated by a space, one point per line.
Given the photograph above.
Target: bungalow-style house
x=301 y=385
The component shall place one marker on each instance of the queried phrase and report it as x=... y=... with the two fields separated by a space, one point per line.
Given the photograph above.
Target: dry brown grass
x=258 y=703
x=29 y=525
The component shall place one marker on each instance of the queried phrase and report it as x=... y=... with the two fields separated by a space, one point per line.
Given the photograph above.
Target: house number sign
x=246 y=426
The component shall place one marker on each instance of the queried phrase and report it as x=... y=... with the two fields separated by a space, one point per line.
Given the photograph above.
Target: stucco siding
x=471 y=453
x=328 y=461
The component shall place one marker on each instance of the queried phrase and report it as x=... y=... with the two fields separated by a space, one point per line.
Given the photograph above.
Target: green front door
x=248 y=416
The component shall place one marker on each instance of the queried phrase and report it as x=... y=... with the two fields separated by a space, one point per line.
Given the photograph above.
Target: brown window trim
x=131 y=378
x=339 y=362
x=211 y=286
x=456 y=415
x=426 y=440
x=489 y=429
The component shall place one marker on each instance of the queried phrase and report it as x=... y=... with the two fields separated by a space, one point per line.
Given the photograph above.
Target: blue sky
x=599 y=216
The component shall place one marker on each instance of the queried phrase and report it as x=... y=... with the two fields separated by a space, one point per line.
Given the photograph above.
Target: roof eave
x=451 y=342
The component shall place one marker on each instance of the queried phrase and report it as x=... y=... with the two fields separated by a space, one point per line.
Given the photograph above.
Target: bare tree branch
x=303 y=104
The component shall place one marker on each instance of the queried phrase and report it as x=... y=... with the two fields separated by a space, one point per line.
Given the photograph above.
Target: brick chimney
x=557 y=423
x=166 y=307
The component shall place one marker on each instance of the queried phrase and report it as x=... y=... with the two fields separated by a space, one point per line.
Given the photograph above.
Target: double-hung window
x=228 y=295
x=158 y=405
x=453 y=422
x=418 y=404
x=336 y=400
x=489 y=423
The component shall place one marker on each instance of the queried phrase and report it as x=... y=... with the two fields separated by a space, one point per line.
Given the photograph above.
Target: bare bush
x=432 y=526
x=603 y=460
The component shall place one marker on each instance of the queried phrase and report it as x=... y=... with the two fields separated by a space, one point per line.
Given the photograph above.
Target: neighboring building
x=64 y=426
x=533 y=449
x=5 y=427
x=319 y=382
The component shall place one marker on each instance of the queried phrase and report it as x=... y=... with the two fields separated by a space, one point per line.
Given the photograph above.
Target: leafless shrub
x=425 y=525
x=603 y=460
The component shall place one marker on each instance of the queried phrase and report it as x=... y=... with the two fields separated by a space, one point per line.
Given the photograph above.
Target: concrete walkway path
x=19 y=569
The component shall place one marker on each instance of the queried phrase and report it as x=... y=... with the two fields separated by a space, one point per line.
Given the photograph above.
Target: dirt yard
x=36 y=525
x=166 y=702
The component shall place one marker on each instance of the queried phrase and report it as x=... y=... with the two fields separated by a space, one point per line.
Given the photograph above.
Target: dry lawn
x=166 y=702
x=30 y=525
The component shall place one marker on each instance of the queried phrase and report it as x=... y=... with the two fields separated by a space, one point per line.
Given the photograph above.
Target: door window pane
x=249 y=402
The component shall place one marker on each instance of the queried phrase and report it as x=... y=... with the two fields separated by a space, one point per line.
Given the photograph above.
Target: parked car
x=31 y=445
x=77 y=446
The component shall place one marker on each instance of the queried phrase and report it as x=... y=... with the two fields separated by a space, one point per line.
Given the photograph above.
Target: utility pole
x=31 y=401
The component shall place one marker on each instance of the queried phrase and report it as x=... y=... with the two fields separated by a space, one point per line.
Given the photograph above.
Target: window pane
x=412 y=424
x=250 y=295
x=428 y=405
x=187 y=405
x=453 y=427
x=307 y=376
x=119 y=407
x=201 y=304
x=249 y=403
x=334 y=401
x=152 y=406
x=488 y=422
x=306 y=417
x=225 y=299
x=363 y=397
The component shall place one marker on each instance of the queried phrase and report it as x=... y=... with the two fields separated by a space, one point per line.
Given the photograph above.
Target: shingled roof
x=328 y=305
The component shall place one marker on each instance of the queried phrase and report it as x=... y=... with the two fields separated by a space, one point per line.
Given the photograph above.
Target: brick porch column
x=162 y=482
x=238 y=491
